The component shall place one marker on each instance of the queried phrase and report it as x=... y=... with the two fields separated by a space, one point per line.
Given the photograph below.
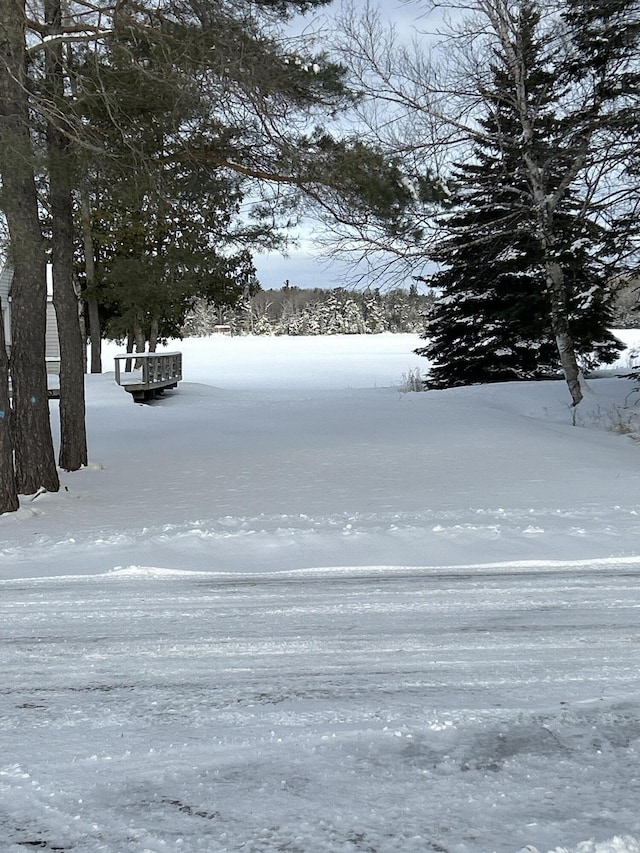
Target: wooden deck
x=156 y=372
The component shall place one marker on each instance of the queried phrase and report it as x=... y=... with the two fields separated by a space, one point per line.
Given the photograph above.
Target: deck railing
x=153 y=372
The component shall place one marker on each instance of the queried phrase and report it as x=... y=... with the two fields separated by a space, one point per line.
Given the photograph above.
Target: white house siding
x=52 y=342
x=6 y=274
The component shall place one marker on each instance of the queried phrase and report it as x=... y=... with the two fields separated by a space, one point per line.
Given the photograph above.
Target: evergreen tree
x=31 y=428
x=218 y=87
x=604 y=45
x=160 y=243
x=493 y=321
x=583 y=146
x=373 y=313
x=162 y=209
x=293 y=311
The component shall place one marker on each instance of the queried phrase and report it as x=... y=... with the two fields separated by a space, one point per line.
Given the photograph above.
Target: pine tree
x=251 y=103
x=605 y=41
x=493 y=321
x=31 y=428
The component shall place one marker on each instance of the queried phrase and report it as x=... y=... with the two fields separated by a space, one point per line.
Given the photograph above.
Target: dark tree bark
x=154 y=334
x=93 y=312
x=141 y=343
x=8 y=492
x=73 y=436
x=34 y=456
x=95 y=334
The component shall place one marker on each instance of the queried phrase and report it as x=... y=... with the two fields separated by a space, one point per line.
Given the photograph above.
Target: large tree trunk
x=8 y=492
x=73 y=436
x=34 y=456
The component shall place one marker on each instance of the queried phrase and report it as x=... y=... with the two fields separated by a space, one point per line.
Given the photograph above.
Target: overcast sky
x=305 y=267
x=301 y=269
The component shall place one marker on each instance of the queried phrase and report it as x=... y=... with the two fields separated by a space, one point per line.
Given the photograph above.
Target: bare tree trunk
x=95 y=334
x=556 y=290
x=34 y=456
x=82 y=319
x=95 y=329
x=560 y=326
x=153 y=335
x=8 y=492
x=141 y=343
x=73 y=435
x=130 y=345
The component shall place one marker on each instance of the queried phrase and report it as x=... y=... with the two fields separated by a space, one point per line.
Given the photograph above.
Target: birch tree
x=493 y=321
x=581 y=146
x=554 y=166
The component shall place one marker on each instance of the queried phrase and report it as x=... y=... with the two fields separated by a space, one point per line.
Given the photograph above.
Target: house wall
x=52 y=343
x=6 y=275
x=52 y=351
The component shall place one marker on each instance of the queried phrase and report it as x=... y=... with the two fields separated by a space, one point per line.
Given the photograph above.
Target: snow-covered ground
x=289 y=607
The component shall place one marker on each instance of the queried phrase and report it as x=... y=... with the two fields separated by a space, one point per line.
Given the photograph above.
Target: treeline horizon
x=292 y=310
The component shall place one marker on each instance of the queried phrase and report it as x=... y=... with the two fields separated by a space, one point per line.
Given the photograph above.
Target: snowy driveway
x=230 y=689
x=461 y=709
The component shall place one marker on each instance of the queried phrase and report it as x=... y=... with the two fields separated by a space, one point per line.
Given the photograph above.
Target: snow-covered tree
x=494 y=320
x=374 y=313
x=294 y=311
x=577 y=155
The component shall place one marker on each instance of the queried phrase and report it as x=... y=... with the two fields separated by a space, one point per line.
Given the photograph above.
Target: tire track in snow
x=475 y=709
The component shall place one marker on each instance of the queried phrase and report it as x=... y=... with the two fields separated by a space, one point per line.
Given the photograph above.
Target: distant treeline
x=294 y=311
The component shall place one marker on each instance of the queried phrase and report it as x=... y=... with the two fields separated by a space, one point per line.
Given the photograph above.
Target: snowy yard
x=291 y=608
